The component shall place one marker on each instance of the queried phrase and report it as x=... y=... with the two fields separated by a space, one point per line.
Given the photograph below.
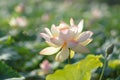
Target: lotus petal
x=62 y=55
x=80 y=49
x=49 y=50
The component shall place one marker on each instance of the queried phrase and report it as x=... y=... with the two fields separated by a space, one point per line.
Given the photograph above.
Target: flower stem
x=69 y=57
x=104 y=65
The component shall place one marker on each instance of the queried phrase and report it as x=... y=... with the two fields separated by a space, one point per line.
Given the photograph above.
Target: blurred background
x=21 y=22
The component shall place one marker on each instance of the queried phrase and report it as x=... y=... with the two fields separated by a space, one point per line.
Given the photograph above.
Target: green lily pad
x=79 y=71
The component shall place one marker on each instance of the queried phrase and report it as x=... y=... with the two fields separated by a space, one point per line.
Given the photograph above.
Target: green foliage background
x=19 y=47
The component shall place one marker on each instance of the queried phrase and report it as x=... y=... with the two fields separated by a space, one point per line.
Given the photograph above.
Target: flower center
x=64 y=44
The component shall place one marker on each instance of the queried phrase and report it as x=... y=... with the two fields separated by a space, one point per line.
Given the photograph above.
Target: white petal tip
x=90 y=32
x=53 y=25
x=41 y=53
x=81 y=22
x=41 y=34
x=71 y=21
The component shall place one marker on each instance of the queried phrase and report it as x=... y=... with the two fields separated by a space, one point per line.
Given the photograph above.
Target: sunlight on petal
x=57 y=41
x=80 y=26
x=48 y=32
x=72 y=32
x=64 y=35
x=71 y=22
x=62 y=55
x=49 y=51
x=72 y=44
x=54 y=31
x=51 y=44
x=85 y=35
x=67 y=37
x=86 y=42
x=63 y=25
x=80 y=49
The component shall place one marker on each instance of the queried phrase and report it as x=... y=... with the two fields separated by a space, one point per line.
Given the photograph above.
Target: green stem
x=104 y=65
x=69 y=57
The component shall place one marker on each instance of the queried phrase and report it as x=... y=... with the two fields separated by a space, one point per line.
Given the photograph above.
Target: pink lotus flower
x=20 y=8
x=18 y=22
x=65 y=40
x=45 y=66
